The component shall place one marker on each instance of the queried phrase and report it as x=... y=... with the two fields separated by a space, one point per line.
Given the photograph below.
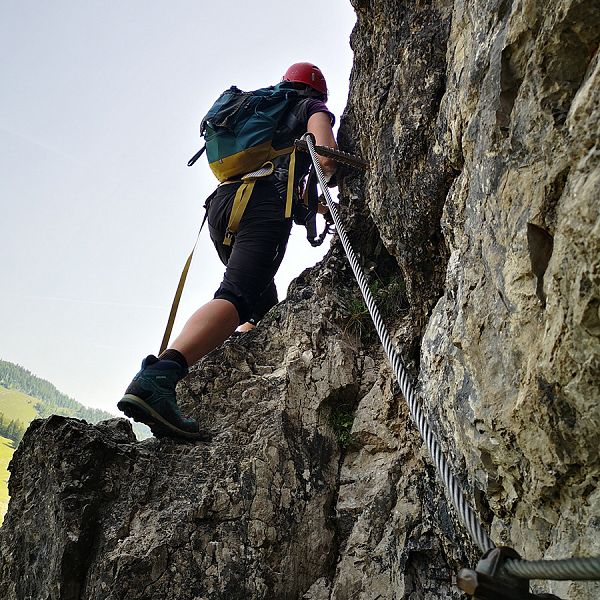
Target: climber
x=247 y=290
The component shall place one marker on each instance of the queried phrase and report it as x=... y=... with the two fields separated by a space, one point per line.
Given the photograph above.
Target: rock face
x=479 y=225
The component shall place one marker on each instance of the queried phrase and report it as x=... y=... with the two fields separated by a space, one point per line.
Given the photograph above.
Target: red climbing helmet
x=309 y=74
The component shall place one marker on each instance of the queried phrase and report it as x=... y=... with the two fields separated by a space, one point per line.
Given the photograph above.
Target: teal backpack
x=243 y=133
x=241 y=128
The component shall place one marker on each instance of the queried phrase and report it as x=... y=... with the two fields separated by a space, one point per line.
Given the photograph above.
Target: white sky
x=99 y=113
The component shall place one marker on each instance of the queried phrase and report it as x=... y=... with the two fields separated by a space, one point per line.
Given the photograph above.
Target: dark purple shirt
x=314 y=106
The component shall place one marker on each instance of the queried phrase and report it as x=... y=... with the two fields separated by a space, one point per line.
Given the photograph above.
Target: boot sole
x=139 y=411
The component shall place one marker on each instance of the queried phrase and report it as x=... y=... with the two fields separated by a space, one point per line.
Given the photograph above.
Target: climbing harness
x=242 y=196
x=505 y=572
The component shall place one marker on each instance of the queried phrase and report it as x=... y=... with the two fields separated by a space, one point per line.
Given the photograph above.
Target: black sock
x=175 y=356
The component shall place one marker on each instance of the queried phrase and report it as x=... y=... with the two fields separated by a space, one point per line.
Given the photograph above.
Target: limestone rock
x=478 y=224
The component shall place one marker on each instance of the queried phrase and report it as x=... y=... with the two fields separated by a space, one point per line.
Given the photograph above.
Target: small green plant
x=389 y=294
x=341 y=419
x=390 y=297
x=357 y=316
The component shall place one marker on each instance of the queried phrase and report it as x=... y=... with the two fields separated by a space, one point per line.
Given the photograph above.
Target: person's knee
x=239 y=302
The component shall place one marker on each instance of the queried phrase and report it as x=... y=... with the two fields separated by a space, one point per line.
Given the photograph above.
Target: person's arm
x=319 y=124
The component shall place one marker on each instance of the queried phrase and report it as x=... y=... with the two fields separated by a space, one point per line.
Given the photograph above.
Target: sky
x=99 y=113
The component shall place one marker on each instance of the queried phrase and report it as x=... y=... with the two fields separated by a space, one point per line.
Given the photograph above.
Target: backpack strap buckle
x=228 y=239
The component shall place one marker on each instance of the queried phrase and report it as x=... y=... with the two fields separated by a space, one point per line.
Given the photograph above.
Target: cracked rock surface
x=96 y=514
x=478 y=224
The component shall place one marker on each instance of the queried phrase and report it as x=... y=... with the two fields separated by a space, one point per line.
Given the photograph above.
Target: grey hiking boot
x=150 y=399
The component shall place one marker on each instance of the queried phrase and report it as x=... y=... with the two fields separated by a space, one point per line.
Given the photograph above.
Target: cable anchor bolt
x=489 y=582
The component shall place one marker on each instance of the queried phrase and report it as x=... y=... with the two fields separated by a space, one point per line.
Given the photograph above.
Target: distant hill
x=40 y=399
x=24 y=397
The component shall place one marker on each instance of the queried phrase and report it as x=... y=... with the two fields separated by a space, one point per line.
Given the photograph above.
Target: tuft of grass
x=389 y=294
x=357 y=316
x=341 y=419
x=390 y=297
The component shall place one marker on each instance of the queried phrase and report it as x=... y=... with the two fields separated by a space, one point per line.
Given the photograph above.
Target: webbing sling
x=243 y=193
x=237 y=210
x=290 y=185
x=242 y=196
x=179 y=291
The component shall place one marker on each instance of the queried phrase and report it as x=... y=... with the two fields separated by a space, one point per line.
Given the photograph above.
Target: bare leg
x=206 y=329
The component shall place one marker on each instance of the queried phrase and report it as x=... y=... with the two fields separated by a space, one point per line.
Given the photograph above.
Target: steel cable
x=567 y=569
x=465 y=512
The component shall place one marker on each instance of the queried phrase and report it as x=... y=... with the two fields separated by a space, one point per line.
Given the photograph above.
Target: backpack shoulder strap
x=292 y=124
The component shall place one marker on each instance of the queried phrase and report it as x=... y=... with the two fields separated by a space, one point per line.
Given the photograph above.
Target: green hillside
x=24 y=397
x=44 y=399
x=17 y=405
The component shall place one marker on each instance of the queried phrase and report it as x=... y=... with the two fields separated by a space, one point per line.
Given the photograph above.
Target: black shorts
x=258 y=248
